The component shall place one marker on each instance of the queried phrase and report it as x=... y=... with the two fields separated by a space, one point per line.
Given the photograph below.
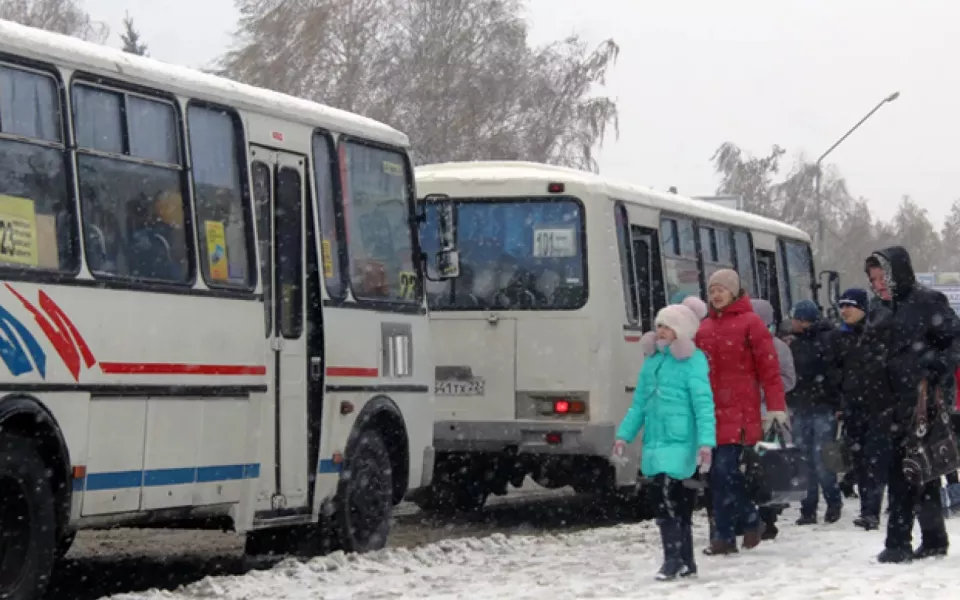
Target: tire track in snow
x=109 y=562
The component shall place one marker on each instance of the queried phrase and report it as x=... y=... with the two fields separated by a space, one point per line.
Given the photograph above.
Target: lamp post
x=818 y=173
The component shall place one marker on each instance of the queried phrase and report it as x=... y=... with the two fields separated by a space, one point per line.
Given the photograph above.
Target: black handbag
x=836 y=454
x=931 y=451
x=775 y=471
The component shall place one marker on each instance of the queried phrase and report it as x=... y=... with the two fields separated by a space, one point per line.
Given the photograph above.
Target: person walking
x=743 y=361
x=770 y=513
x=673 y=404
x=922 y=339
x=814 y=405
x=858 y=371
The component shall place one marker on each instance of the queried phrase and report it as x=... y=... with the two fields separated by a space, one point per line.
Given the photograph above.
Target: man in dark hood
x=921 y=340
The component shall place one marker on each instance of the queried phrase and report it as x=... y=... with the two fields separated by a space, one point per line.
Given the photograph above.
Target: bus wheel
x=365 y=495
x=28 y=541
x=65 y=543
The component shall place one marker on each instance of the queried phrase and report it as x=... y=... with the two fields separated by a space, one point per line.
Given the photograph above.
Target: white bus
x=211 y=313
x=536 y=341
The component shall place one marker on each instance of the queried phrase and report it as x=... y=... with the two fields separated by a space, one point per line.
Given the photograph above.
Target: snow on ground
x=822 y=562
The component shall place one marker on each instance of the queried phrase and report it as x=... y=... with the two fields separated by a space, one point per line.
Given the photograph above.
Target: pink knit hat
x=726 y=278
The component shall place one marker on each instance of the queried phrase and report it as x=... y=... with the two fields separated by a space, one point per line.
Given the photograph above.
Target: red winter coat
x=957 y=377
x=742 y=360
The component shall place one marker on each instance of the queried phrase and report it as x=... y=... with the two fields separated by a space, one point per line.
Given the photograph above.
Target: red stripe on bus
x=122 y=368
x=353 y=372
x=631 y=338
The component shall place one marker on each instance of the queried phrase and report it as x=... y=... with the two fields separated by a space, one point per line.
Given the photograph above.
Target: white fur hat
x=681 y=319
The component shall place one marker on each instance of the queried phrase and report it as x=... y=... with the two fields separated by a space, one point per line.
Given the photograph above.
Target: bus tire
x=365 y=495
x=65 y=543
x=28 y=512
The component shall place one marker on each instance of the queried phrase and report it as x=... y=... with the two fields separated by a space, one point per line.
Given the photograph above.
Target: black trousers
x=675 y=505
x=908 y=502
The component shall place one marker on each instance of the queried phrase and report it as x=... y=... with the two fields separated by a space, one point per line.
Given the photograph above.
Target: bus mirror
x=448 y=264
x=448 y=257
x=832 y=287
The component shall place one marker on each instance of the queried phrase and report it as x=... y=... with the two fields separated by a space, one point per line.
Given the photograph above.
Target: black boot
x=933 y=544
x=832 y=515
x=686 y=551
x=867 y=522
x=895 y=555
x=807 y=519
x=671 y=536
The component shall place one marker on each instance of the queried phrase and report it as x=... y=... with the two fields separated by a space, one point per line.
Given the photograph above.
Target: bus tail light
x=553 y=438
x=569 y=407
x=555 y=188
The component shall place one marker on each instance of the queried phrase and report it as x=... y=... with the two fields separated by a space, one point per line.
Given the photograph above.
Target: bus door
x=280 y=192
x=646 y=264
x=769 y=282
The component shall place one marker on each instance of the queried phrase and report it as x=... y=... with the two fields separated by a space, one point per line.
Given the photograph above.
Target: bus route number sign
x=554 y=243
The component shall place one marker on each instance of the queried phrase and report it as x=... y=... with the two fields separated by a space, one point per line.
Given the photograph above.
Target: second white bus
x=537 y=341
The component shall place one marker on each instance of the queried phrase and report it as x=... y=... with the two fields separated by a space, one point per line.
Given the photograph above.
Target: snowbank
x=815 y=563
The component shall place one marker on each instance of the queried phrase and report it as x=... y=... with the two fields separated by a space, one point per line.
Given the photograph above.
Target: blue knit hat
x=806 y=310
x=855 y=297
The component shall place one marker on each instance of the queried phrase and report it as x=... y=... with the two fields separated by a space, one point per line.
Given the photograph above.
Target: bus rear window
x=515 y=254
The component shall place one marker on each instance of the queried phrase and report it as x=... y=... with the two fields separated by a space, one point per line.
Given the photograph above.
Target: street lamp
x=818 y=173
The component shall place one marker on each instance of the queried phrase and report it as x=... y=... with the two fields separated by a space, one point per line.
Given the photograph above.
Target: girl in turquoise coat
x=673 y=404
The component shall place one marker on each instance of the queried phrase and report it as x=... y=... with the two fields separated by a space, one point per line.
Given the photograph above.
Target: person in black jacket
x=866 y=399
x=815 y=406
x=922 y=340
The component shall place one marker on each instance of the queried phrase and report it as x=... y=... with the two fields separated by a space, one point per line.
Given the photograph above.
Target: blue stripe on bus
x=328 y=466
x=118 y=480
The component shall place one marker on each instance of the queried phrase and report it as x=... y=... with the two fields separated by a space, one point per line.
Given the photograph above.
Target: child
x=673 y=404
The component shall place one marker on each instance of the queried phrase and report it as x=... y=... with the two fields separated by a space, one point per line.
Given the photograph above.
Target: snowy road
x=816 y=563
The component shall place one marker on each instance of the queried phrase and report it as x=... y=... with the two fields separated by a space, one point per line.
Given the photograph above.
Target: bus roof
x=485 y=171
x=68 y=51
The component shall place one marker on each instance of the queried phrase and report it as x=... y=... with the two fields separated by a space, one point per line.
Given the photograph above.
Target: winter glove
x=774 y=416
x=934 y=366
x=704 y=459
x=617 y=455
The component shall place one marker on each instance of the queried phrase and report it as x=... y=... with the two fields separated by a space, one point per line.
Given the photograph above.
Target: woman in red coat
x=743 y=360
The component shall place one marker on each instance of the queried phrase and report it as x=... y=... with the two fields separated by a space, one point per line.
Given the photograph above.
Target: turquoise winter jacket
x=673 y=404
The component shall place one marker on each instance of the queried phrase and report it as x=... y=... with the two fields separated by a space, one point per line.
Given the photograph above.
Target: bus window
x=681 y=271
x=515 y=254
x=715 y=246
x=36 y=213
x=627 y=272
x=222 y=217
x=324 y=163
x=797 y=267
x=377 y=214
x=135 y=220
x=262 y=195
x=744 y=262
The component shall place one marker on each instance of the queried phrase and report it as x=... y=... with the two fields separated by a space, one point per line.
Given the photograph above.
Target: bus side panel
x=153 y=364
x=358 y=370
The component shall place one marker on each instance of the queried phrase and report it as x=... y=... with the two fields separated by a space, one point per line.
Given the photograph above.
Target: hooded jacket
x=742 y=361
x=788 y=373
x=921 y=333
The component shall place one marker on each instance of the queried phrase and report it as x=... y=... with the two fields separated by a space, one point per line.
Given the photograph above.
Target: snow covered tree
x=950 y=240
x=917 y=234
x=131 y=38
x=60 y=16
x=459 y=76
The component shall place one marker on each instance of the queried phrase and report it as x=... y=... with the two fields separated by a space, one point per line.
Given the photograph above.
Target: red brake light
x=555 y=188
x=553 y=438
x=561 y=406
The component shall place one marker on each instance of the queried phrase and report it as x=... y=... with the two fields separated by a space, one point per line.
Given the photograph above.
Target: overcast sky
x=695 y=73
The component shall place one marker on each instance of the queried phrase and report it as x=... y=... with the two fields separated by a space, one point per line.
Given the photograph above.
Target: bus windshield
x=515 y=254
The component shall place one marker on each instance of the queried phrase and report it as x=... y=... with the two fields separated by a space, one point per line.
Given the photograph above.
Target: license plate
x=473 y=387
